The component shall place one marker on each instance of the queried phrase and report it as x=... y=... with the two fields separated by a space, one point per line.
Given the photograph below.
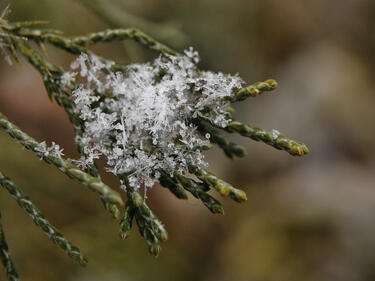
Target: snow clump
x=141 y=119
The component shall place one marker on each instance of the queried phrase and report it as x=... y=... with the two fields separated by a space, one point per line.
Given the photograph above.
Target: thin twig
x=119 y=18
x=5 y=258
x=272 y=138
x=63 y=165
x=77 y=45
x=39 y=219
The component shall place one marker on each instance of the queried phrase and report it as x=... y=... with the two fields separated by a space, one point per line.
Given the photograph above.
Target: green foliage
x=16 y=38
x=6 y=260
x=39 y=219
x=71 y=170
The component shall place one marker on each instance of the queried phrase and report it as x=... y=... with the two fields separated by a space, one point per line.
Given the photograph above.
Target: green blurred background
x=308 y=218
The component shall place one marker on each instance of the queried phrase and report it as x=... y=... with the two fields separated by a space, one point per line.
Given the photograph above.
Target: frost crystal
x=275 y=134
x=54 y=150
x=141 y=120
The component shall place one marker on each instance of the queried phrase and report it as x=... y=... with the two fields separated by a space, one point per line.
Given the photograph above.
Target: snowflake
x=141 y=121
x=67 y=79
x=54 y=150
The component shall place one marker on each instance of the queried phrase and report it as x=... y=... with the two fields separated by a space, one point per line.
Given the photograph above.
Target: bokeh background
x=309 y=218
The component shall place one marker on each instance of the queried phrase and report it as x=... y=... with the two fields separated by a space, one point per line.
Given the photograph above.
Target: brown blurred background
x=307 y=218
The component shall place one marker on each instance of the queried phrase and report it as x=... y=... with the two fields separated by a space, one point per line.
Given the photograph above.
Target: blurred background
x=308 y=218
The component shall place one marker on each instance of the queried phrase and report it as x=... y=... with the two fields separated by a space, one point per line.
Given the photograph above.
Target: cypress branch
x=200 y=193
x=121 y=34
x=71 y=170
x=230 y=149
x=224 y=188
x=5 y=258
x=127 y=220
x=111 y=208
x=146 y=214
x=253 y=90
x=51 y=77
x=14 y=36
x=148 y=234
x=77 y=45
x=149 y=225
x=273 y=138
x=63 y=99
x=39 y=219
x=119 y=18
x=167 y=182
x=22 y=24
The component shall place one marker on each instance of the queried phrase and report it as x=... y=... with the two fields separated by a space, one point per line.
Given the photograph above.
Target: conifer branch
x=14 y=26
x=198 y=190
x=253 y=90
x=272 y=138
x=151 y=238
x=127 y=220
x=230 y=149
x=39 y=219
x=5 y=258
x=120 y=18
x=179 y=182
x=78 y=44
x=168 y=182
x=224 y=188
x=179 y=110
x=121 y=34
x=71 y=170
x=111 y=208
x=51 y=76
x=150 y=227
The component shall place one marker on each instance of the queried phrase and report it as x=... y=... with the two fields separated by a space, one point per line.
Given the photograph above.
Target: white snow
x=140 y=121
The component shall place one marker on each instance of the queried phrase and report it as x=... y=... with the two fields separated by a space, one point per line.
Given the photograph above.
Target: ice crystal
x=140 y=120
x=54 y=150
x=275 y=133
